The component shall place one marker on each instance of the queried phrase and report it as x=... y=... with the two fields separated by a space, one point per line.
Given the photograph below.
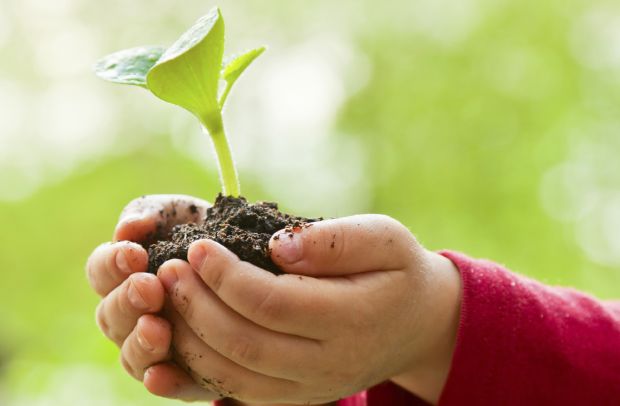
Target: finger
x=235 y=337
x=149 y=218
x=110 y=264
x=344 y=246
x=290 y=304
x=148 y=344
x=219 y=374
x=118 y=312
x=170 y=381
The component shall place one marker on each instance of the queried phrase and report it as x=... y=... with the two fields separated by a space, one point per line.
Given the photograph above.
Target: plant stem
x=225 y=94
x=228 y=172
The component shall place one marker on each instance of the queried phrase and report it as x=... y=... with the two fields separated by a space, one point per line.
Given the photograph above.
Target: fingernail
x=121 y=262
x=135 y=297
x=197 y=256
x=287 y=248
x=168 y=277
x=144 y=343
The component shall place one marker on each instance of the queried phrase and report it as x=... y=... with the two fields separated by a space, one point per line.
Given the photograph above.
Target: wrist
x=439 y=320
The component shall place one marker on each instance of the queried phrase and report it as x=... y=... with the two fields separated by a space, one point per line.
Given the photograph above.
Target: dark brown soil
x=243 y=228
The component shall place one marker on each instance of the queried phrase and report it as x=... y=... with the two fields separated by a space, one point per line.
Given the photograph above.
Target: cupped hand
x=361 y=302
x=131 y=298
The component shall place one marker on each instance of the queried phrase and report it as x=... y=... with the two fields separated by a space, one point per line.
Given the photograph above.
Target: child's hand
x=130 y=296
x=372 y=305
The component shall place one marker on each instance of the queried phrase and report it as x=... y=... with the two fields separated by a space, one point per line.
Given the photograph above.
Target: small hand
x=361 y=302
x=131 y=297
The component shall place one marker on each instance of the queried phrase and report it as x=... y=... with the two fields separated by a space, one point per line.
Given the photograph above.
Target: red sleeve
x=524 y=343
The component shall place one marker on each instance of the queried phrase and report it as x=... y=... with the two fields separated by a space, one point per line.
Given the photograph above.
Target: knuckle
x=110 y=263
x=334 y=240
x=339 y=243
x=218 y=264
x=393 y=230
x=88 y=268
x=244 y=350
x=128 y=367
x=94 y=268
x=122 y=301
x=184 y=303
x=213 y=275
x=152 y=342
x=395 y=226
x=387 y=224
x=269 y=307
x=101 y=319
x=91 y=276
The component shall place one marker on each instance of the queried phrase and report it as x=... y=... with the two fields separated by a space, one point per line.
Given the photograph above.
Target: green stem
x=228 y=171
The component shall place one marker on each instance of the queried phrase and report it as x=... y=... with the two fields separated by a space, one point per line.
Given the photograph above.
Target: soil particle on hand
x=243 y=228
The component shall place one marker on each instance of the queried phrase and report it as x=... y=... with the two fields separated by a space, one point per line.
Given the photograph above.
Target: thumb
x=149 y=218
x=343 y=246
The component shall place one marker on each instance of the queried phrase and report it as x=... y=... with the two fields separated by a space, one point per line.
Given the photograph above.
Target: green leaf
x=188 y=72
x=129 y=66
x=235 y=67
x=238 y=63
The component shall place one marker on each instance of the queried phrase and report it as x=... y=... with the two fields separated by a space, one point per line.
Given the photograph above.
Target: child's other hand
x=116 y=271
x=361 y=302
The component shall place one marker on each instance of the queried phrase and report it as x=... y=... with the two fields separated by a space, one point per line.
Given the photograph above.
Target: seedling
x=189 y=74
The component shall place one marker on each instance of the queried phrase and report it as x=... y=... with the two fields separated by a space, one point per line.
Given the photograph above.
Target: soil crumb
x=243 y=228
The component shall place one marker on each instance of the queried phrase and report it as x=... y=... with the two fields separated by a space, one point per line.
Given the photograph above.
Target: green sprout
x=188 y=74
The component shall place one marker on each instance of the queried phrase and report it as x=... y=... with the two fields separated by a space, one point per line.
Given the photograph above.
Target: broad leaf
x=129 y=66
x=188 y=72
x=235 y=67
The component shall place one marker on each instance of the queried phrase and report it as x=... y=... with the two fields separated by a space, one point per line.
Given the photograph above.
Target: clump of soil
x=243 y=228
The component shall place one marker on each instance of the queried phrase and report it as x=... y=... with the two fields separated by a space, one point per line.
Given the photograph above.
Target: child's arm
x=519 y=342
x=524 y=343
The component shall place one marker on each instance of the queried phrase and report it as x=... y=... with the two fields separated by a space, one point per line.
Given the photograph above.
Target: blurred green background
x=490 y=127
